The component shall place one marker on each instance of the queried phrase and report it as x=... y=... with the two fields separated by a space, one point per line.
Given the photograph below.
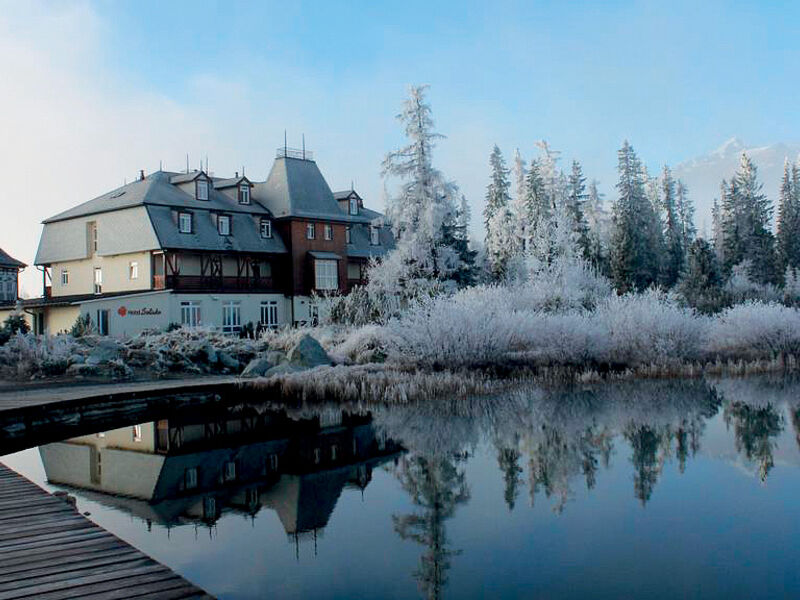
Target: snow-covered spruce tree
x=456 y=236
x=718 y=223
x=537 y=207
x=746 y=216
x=519 y=204
x=788 y=223
x=577 y=198
x=701 y=285
x=673 y=261
x=498 y=218
x=633 y=259
x=684 y=206
x=427 y=258
x=598 y=222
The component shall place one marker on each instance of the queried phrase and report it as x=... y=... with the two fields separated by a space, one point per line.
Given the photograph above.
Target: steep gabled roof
x=226 y=183
x=156 y=189
x=6 y=260
x=296 y=188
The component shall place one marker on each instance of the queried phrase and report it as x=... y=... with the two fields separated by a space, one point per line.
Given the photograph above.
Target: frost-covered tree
x=498 y=218
x=537 y=207
x=684 y=206
x=746 y=216
x=427 y=258
x=633 y=257
x=577 y=198
x=788 y=223
x=701 y=285
x=456 y=236
x=673 y=261
x=718 y=223
x=598 y=222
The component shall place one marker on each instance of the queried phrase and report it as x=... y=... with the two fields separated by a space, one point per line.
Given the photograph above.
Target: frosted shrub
x=791 y=287
x=560 y=287
x=27 y=355
x=367 y=344
x=474 y=326
x=650 y=328
x=754 y=329
x=741 y=288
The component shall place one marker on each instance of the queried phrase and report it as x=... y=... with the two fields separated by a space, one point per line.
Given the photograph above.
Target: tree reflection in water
x=753 y=430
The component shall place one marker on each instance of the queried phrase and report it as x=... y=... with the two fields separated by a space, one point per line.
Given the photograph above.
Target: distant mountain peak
x=730 y=146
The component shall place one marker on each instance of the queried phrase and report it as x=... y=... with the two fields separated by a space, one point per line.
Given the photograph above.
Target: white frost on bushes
x=756 y=330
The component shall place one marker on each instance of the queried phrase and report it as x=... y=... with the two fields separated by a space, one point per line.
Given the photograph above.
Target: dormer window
x=353 y=205
x=266 y=228
x=328 y=232
x=374 y=235
x=224 y=224
x=185 y=222
x=201 y=189
x=244 y=193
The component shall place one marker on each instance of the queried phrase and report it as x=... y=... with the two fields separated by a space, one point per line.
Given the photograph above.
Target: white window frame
x=328 y=232
x=231 y=316
x=137 y=433
x=226 y=229
x=266 y=228
x=185 y=222
x=94 y=237
x=98 y=280
x=311 y=231
x=64 y=276
x=374 y=235
x=269 y=314
x=133 y=270
x=353 y=205
x=244 y=193
x=201 y=189
x=348 y=235
x=190 y=313
x=326 y=274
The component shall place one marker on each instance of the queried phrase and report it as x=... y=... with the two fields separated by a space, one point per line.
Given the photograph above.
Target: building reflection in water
x=193 y=468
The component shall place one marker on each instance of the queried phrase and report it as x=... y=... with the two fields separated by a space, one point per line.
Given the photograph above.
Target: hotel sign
x=138 y=312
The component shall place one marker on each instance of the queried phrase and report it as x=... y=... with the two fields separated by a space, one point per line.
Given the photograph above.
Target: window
x=137 y=433
x=327 y=274
x=185 y=222
x=64 y=277
x=224 y=224
x=311 y=231
x=133 y=270
x=266 y=228
x=190 y=314
x=273 y=462
x=190 y=478
x=94 y=237
x=209 y=508
x=328 y=231
x=354 y=271
x=347 y=235
x=333 y=452
x=317 y=456
x=353 y=205
x=269 y=314
x=374 y=235
x=98 y=280
x=230 y=471
x=231 y=317
x=102 y=322
x=201 y=189
x=244 y=193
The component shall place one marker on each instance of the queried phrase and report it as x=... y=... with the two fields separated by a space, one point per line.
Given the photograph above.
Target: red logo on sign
x=122 y=311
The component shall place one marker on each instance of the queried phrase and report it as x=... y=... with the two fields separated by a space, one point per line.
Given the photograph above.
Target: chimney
x=141 y=174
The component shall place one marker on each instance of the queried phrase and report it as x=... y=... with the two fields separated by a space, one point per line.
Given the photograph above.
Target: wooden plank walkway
x=49 y=551
x=60 y=394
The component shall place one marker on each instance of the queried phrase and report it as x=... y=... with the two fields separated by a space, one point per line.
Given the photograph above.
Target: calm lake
x=642 y=489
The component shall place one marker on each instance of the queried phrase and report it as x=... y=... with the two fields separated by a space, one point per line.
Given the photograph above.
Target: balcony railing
x=301 y=153
x=201 y=283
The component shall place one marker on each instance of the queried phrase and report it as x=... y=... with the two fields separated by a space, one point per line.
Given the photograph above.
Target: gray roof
x=157 y=189
x=296 y=188
x=360 y=246
x=344 y=194
x=6 y=260
x=245 y=233
x=185 y=177
x=226 y=183
x=327 y=255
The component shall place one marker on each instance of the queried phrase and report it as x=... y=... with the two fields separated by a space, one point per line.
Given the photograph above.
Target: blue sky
x=100 y=90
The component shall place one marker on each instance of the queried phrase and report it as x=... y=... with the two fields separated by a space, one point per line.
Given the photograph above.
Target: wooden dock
x=49 y=551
